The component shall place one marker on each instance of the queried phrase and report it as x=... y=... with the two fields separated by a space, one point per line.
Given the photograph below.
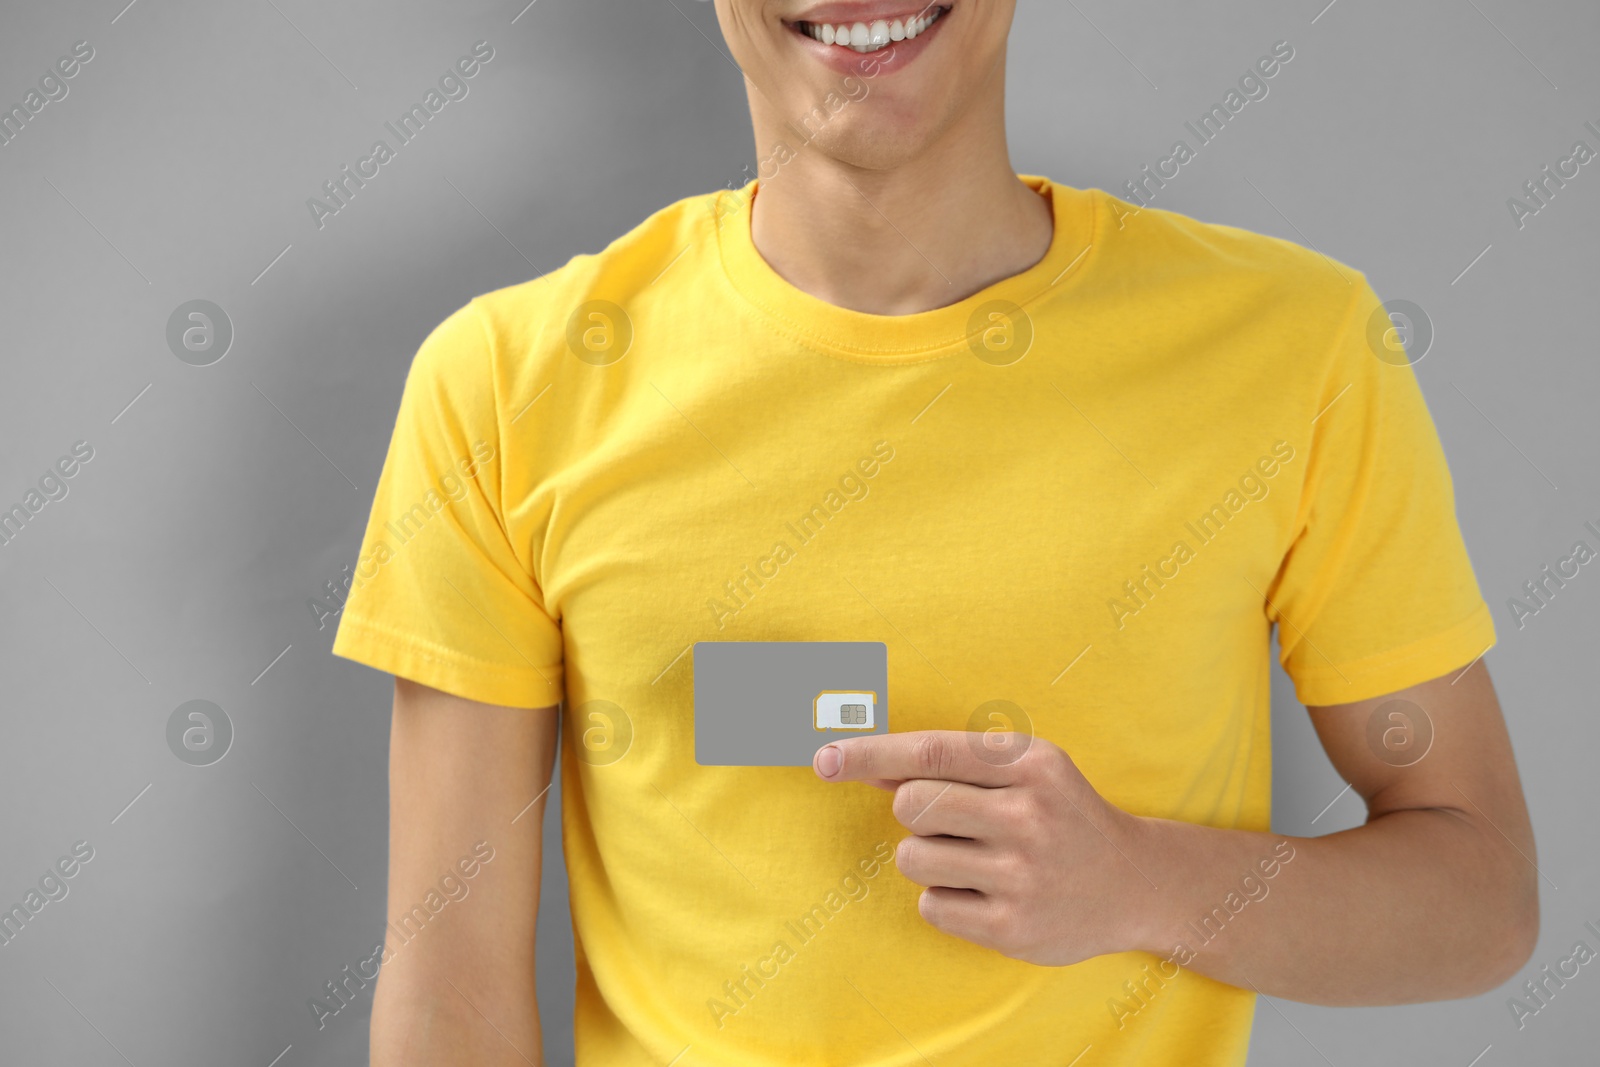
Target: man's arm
x=458 y=986
x=1435 y=897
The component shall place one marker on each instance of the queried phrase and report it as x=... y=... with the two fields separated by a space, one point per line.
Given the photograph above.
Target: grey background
x=180 y=565
x=740 y=687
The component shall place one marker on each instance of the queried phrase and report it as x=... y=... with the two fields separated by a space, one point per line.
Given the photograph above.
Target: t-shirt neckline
x=915 y=338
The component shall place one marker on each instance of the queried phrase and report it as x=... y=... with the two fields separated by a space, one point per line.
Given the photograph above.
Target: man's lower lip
x=887 y=59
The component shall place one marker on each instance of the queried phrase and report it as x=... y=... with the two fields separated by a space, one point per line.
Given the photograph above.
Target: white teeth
x=861 y=37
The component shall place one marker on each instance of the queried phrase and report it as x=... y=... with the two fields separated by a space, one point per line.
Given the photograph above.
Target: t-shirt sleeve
x=1376 y=591
x=443 y=594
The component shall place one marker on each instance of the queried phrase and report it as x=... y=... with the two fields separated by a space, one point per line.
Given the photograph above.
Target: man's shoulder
x=1232 y=265
x=514 y=340
x=626 y=268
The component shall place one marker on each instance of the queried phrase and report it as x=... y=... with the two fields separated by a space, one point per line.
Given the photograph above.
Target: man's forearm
x=425 y=1021
x=1415 y=905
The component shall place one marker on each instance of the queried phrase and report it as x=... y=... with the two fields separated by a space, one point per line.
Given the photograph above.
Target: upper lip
x=868 y=11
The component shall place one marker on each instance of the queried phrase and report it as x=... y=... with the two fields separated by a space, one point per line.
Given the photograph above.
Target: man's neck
x=896 y=242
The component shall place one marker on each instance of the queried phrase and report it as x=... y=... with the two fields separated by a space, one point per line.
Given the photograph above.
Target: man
x=1070 y=461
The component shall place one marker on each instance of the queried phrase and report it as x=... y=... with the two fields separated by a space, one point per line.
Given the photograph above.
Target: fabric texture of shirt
x=1090 y=490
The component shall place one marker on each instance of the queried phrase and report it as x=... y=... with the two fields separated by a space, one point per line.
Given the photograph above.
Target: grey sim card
x=774 y=703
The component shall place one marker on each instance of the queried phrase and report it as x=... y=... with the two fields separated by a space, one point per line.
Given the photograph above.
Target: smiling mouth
x=877 y=35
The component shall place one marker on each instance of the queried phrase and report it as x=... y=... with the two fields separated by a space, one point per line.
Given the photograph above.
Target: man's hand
x=1018 y=851
x=1435 y=896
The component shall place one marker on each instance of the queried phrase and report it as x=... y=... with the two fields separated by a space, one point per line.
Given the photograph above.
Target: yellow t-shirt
x=1089 y=490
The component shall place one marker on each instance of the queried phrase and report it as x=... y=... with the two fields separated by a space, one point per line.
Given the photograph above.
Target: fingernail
x=829 y=760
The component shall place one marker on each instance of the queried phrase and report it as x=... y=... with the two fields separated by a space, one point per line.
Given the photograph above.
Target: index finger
x=942 y=755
